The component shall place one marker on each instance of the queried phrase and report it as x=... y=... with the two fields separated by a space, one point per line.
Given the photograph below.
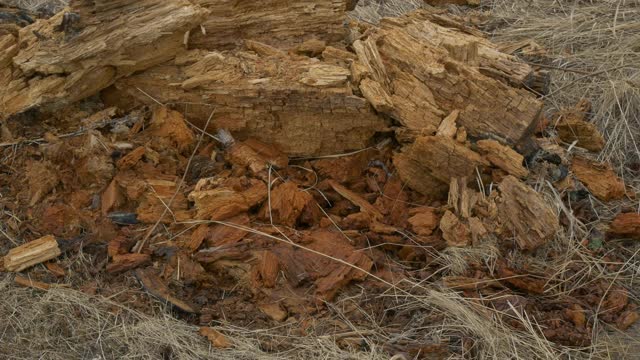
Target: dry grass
x=595 y=48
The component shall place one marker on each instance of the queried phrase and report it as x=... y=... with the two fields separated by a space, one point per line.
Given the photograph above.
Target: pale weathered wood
x=525 y=215
x=430 y=65
x=54 y=66
x=304 y=107
x=430 y=162
x=503 y=157
x=32 y=253
x=283 y=24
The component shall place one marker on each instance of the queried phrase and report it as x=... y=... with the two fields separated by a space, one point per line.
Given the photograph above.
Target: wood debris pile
x=195 y=146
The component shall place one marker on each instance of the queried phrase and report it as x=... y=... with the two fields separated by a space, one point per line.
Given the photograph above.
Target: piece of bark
x=217 y=339
x=281 y=24
x=269 y=152
x=24 y=281
x=55 y=269
x=154 y=286
x=503 y=157
x=53 y=68
x=525 y=214
x=626 y=225
x=357 y=200
x=461 y=198
x=274 y=311
x=423 y=221
x=572 y=126
x=32 y=253
x=430 y=162
x=520 y=281
x=454 y=231
x=171 y=125
x=278 y=100
x=287 y=205
x=311 y=48
x=431 y=65
x=220 y=234
x=627 y=319
x=599 y=178
x=111 y=197
x=268 y=269
x=132 y=158
x=125 y=262
x=218 y=204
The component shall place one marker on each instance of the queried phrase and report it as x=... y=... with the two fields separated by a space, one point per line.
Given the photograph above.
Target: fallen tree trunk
x=278 y=23
x=304 y=106
x=75 y=54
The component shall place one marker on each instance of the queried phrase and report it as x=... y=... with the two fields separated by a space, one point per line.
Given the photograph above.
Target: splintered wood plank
x=32 y=253
x=154 y=286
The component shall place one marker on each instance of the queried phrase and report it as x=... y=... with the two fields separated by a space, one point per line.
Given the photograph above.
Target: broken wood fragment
x=154 y=286
x=599 y=178
x=125 y=262
x=572 y=125
x=217 y=339
x=525 y=214
x=32 y=253
x=431 y=65
x=430 y=162
x=52 y=69
x=447 y=127
x=357 y=200
x=24 y=281
x=454 y=231
x=626 y=225
x=503 y=157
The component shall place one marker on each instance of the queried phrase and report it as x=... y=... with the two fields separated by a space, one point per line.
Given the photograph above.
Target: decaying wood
x=626 y=225
x=122 y=263
x=216 y=338
x=32 y=253
x=24 y=281
x=599 y=178
x=50 y=67
x=154 y=286
x=526 y=216
x=277 y=23
x=304 y=107
x=430 y=65
x=454 y=231
x=503 y=157
x=572 y=126
x=430 y=162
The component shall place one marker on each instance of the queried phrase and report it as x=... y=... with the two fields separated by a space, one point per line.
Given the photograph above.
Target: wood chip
x=32 y=253
x=217 y=339
x=626 y=225
x=599 y=178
